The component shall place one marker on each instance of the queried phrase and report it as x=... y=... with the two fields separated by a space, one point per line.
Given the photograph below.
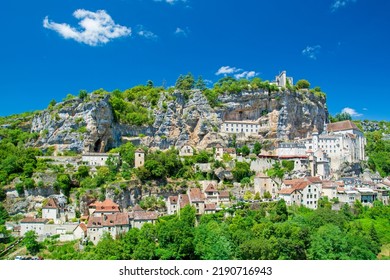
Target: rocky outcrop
x=179 y=119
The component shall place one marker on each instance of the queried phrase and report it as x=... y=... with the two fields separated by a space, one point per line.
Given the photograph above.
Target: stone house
x=186 y=151
x=329 y=189
x=116 y=224
x=308 y=188
x=291 y=196
x=51 y=210
x=139 y=217
x=175 y=203
x=139 y=158
x=107 y=206
x=220 y=151
x=98 y=159
x=263 y=183
x=35 y=224
x=197 y=199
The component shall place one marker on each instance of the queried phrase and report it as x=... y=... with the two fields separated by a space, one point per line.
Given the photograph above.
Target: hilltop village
x=322 y=164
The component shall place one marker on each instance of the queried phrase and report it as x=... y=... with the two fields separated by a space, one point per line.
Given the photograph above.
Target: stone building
x=341 y=141
x=139 y=158
x=98 y=159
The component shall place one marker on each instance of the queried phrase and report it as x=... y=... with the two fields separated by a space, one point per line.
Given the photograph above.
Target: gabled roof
x=229 y=150
x=184 y=200
x=116 y=219
x=196 y=195
x=301 y=185
x=139 y=150
x=106 y=206
x=210 y=207
x=314 y=179
x=137 y=208
x=173 y=199
x=51 y=204
x=83 y=227
x=211 y=188
x=286 y=191
x=145 y=216
x=224 y=194
x=340 y=126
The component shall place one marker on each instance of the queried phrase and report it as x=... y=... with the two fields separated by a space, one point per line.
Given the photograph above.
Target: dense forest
x=269 y=231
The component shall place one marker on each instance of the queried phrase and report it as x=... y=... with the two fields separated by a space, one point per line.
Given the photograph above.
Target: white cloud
x=182 y=32
x=224 y=70
x=311 y=51
x=351 y=112
x=245 y=74
x=95 y=28
x=337 y=4
x=238 y=73
x=171 y=1
x=147 y=34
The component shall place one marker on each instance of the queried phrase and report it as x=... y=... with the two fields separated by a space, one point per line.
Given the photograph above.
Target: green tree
x=241 y=170
x=83 y=94
x=63 y=183
x=186 y=82
x=31 y=243
x=245 y=150
x=200 y=84
x=303 y=84
x=3 y=215
x=256 y=148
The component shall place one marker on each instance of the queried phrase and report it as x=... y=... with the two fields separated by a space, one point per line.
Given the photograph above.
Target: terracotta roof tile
x=210 y=207
x=196 y=195
x=224 y=194
x=314 y=179
x=184 y=200
x=210 y=188
x=51 y=204
x=83 y=227
x=106 y=206
x=286 y=191
x=173 y=199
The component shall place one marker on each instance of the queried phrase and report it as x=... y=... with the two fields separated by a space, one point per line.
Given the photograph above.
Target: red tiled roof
x=224 y=194
x=115 y=219
x=314 y=179
x=340 y=189
x=301 y=185
x=106 y=206
x=340 y=126
x=83 y=227
x=210 y=188
x=292 y=181
x=286 y=191
x=51 y=204
x=172 y=199
x=210 y=207
x=196 y=195
x=31 y=220
x=184 y=200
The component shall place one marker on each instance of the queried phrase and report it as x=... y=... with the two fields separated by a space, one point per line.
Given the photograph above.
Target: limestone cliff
x=90 y=125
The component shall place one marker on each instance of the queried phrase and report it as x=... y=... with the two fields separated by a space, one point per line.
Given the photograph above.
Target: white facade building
x=98 y=159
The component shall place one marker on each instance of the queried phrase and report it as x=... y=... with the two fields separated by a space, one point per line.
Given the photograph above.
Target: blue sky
x=52 y=48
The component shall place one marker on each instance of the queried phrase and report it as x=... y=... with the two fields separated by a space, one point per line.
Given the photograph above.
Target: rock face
x=90 y=126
